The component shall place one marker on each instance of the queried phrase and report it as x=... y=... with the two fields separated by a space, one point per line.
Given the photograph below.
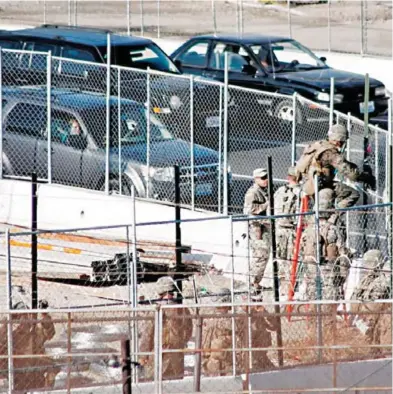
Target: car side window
x=77 y=54
x=68 y=54
x=237 y=57
x=195 y=55
x=26 y=119
x=35 y=60
x=4 y=44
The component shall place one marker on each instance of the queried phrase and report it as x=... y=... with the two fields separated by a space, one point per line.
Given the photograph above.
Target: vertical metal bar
x=128 y=18
x=192 y=142
x=366 y=162
x=329 y=27
x=69 y=348
x=232 y=297
x=365 y=39
x=9 y=325
x=178 y=251
x=1 y=113
x=318 y=268
x=214 y=16
x=108 y=111
x=129 y=265
x=75 y=12
x=44 y=11
x=126 y=366
x=69 y=13
x=148 y=134
x=349 y=159
x=376 y=161
x=289 y=18
x=225 y=211
x=134 y=289
x=331 y=106
x=119 y=129
x=157 y=345
x=160 y=332
x=158 y=20
x=237 y=18
x=49 y=113
x=34 y=254
x=293 y=159
x=241 y=18
x=361 y=27
x=142 y=18
x=390 y=194
x=220 y=152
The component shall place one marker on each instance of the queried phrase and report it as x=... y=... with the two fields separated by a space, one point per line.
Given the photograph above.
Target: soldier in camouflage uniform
x=217 y=336
x=256 y=203
x=177 y=331
x=326 y=159
x=371 y=318
x=334 y=265
x=286 y=201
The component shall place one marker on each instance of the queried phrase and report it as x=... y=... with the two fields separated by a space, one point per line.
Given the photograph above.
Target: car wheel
x=284 y=112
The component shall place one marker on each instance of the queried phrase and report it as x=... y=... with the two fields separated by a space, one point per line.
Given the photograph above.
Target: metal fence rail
x=86 y=125
x=366 y=25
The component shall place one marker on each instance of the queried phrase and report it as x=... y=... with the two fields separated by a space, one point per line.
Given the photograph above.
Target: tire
x=284 y=112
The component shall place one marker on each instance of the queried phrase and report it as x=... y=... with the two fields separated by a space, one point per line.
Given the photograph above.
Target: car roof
x=69 y=98
x=245 y=38
x=76 y=35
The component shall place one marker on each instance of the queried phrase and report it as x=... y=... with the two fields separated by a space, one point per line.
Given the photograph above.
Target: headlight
x=175 y=102
x=166 y=174
x=380 y=91
x=338 y=98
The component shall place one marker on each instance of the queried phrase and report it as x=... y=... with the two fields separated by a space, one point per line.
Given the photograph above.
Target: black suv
x=78 y=145
x=87 y=48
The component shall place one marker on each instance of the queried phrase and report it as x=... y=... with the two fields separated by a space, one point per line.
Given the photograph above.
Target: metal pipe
x=69 y=348
x=75 y=12
x=108 y=112
x=390 y=191
x=9 y=325
x=232 y=297
x=349 y=159
x=1 y=113
x=192 y=142
x=318 y=268
x=134 y=251
x=289 y=18
x=158 y=19
x=376 y=160
x=126 y=366
x=329 y=27
x=178 y=251
x=237 y=17
x=148 y=135
x=220 y=152
x=214 y=16
x=128 y=18
x=225 y=211
x=44 y=11
x=49 y=112
x=142 y=18
x=331 y=106
x=34 y=248
x=69 y=13
x=361 y=27
x=241 y=18
x=160 y=332
x=293 y=160
x=366 y=162
x=119 y=128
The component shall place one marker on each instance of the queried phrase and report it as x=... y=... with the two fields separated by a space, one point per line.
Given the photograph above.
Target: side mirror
x=177 y=63
x=248 y=69
x=323 y=58
x=77 y=141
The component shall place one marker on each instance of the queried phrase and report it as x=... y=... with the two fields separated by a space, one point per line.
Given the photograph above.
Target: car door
x=193 y=60
x=23 y=126
x=66 y=152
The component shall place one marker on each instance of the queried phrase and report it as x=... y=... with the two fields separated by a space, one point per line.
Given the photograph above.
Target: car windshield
x=286 y=56
x=144 y=56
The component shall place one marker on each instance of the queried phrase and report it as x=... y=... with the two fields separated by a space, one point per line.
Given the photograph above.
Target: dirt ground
x=182 y=18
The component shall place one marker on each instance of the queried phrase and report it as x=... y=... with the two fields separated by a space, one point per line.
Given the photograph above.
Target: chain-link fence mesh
x=366 y=25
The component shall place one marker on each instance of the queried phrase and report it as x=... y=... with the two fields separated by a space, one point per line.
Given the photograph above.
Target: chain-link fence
x=220 y=347
x=366 y=25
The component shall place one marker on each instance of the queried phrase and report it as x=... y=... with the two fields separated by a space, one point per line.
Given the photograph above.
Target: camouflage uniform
x=373 y=319
x=256 y=202
x=177 y=331
x=217 y=336
x=286 y=201
x=334 y=265
x=324 y=159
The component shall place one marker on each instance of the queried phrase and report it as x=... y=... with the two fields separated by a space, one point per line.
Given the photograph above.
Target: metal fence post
x=237 y=17
x=128 y=18
x=361 y=27
x=157 y=349
x=289 y=18
x=148 y=134
x=225 y=211
x=214 y=16
x=9 y=326
x=293 y=159
x=49 y=114
x=158 y=19
x=331 y=105
x=329 y=27
x=108 y=110
x=192 y=142
x=142 y=18
x=75 y=12
x=318 y=269
x=44 y=11
x=241 y=18
x=134 y=278
x=220 y=152
x=390 y=193
x=349 y=159
x=69 y=13
x=1 y=113
x=160 y=332
x=120 y=169
x=232 y=297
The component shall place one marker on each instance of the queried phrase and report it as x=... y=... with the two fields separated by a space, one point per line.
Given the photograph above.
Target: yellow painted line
x=46 y=247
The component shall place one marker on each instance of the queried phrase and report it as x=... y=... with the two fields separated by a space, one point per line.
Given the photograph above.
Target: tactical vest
x=285 y=202
x=308 y=165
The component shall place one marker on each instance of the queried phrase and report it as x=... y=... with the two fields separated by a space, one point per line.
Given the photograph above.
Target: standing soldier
x=371 y=318
x=256 y=203
x=326 y=158
x=286 y=202
x=334 y=264
x=177 y=331
x=217 y=339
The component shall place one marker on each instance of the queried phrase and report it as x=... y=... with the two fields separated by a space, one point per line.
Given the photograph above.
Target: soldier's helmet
x=165 y=285
x=223 y=295
x=373 y=259
x=338 y=132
